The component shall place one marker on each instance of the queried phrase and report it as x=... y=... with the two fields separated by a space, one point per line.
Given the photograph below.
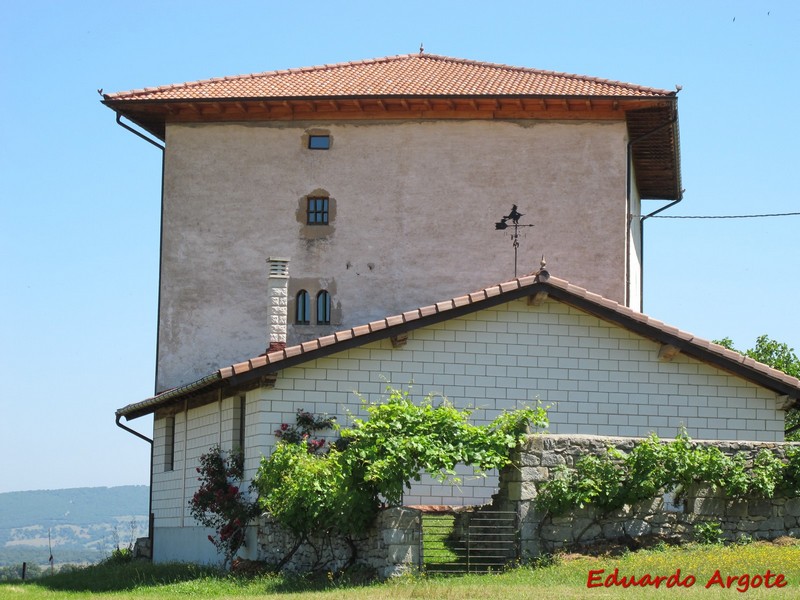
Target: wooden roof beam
x=537 y=299
x=667 y=352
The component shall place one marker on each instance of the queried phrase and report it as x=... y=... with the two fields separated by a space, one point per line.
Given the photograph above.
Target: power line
x=791 y=214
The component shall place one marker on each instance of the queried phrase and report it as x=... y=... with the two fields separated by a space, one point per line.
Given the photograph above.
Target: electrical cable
x=791 y=214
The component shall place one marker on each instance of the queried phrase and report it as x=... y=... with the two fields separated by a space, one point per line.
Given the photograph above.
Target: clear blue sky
x=80 y=196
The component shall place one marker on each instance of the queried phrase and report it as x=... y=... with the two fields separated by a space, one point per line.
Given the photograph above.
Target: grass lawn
x=566 y=577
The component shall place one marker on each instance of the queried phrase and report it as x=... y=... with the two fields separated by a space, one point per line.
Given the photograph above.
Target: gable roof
x=424 y=86
x=256 y=371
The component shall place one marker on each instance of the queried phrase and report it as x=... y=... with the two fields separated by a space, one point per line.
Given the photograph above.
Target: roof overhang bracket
x=667 y=352
x=785 y=402
x=537 y=299
x=399 y=340
x=264 y=381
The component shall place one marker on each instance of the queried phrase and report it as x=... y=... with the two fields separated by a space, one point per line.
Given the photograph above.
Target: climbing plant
x=338 y=493
x=305 y=430
x=613 y=479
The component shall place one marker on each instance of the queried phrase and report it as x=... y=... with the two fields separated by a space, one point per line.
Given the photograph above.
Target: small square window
x=319 y=142
x=317 y=211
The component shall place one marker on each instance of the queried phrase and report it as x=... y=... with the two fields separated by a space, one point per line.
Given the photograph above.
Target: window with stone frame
x=302 y=308
x=323 y=308
x=317 y=210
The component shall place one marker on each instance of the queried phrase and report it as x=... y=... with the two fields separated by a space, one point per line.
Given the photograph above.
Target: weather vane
x=514 y=216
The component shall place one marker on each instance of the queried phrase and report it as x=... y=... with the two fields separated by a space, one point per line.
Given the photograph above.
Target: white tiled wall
x=596 y=378
x=209 y=425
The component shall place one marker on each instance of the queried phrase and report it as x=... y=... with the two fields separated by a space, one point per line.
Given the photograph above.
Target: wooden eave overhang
x=263 y=369
x=656 y=160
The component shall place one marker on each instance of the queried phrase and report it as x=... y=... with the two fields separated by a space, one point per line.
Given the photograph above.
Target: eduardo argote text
x=598 y=578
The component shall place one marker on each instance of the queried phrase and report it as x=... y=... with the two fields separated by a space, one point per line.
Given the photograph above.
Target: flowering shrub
x=220 y=503
x=304 y=430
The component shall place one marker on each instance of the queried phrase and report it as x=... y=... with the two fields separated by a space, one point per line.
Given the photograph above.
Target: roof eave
x=245 y=375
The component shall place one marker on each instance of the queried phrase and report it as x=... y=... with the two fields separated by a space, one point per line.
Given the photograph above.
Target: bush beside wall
x=661 y=518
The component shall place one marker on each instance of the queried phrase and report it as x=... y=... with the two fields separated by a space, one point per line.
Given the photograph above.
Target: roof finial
x=421 y=48
x=543 y=274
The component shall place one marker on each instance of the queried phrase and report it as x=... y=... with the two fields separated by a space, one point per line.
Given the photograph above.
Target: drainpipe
x=138 y=133
x=150 y=494
x=120 y=425
x=629 y=187
x=641 y=243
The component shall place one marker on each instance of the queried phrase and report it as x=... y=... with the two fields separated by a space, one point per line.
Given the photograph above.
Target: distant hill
x=84 y=524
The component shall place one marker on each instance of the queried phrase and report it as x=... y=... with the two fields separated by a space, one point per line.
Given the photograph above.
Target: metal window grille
x=317 y=211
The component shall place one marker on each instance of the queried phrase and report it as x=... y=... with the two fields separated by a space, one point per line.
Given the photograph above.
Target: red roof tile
x=559 y=289
x=404 y=75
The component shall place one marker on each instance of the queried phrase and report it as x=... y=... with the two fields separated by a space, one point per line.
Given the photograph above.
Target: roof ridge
x=385 y=59
x=309 y=69
x=564 y=74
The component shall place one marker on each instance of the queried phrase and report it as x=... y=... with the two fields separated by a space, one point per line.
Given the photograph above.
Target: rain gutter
x=629 y=187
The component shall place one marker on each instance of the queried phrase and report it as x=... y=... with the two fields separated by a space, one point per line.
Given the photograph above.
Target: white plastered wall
x=415 y=208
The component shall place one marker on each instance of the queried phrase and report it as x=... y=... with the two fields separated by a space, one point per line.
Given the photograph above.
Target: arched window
x=302 y=312
x=323 y=308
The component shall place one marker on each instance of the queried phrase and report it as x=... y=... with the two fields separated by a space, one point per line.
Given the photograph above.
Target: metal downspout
x=120 y=425
x=641 y=243
x=150 y=490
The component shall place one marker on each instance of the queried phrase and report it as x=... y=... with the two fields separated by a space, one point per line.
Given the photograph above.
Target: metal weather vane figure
x=513 y=216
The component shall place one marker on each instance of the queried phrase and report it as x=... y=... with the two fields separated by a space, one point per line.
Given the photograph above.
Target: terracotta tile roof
x=404 y=75
x=558 y=289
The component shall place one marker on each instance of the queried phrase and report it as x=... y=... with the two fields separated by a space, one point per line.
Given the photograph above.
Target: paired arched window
x=323 y=308
x=302 y=314
x=302 y=310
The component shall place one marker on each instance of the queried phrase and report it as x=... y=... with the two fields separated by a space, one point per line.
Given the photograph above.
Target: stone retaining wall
x=394 y=544
x=657 y=519
x=391 y=547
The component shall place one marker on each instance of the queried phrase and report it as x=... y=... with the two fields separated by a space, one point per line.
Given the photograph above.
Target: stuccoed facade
x=412 y=213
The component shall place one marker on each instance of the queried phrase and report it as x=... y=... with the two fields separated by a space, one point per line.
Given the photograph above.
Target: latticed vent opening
x=278 y=267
